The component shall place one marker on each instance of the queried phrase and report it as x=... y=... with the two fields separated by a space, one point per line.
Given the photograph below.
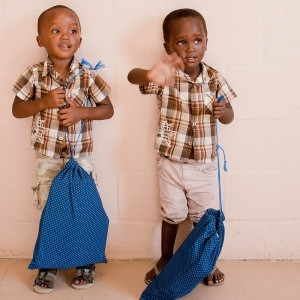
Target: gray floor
x=123 y=280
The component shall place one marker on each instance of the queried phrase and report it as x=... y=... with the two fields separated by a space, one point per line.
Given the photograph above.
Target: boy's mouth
x=191 y=59
x=64 y=46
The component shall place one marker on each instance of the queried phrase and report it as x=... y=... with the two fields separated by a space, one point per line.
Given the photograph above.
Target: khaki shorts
x=186 y=190
x=47 y=168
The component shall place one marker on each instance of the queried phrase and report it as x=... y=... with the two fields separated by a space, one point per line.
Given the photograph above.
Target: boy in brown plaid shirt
x=186 y=89
x=55 y=93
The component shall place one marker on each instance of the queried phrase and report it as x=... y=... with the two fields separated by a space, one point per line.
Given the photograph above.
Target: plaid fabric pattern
x=47 y=135
x=186 y=120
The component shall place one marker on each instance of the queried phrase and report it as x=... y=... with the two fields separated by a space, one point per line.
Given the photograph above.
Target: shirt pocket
x=210 y=169
x=79 y=96
x=207 y=100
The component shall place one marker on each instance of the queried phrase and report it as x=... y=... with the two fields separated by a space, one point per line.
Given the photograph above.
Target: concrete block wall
x=256 y=46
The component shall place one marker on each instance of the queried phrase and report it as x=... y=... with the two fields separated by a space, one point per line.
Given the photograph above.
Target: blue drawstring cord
x=218 y=147
x=72 y=148
x=224 y=156
x=73 y=77
x=99 y=65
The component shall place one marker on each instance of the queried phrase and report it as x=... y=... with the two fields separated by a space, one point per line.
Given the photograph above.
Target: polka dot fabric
x=73 y=226
x=192 y=262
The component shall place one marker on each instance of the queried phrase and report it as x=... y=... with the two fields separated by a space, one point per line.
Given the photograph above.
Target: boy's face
x=189 y=41
x=60 y=34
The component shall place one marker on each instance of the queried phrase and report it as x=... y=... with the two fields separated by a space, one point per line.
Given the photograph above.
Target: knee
x=174 y=221
x=196 y=218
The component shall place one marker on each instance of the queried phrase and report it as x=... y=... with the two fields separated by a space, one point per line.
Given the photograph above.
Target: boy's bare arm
x=103 y=111
x=138 y=76
x=67 y=116
x=24 y=109
x=73 y=114
x=163 y=73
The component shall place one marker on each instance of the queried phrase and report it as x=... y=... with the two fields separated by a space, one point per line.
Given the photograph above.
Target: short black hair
x=178 y=14
x=44 y=14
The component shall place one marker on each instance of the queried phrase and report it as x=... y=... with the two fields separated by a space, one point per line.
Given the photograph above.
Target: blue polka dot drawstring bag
x=195 y=258
x=73 y=226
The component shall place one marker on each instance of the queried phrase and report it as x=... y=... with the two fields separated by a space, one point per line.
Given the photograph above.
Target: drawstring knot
x=99 y=65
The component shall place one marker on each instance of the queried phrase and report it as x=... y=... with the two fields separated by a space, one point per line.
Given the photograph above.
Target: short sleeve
x=226 y=90
x=24 y=87
x=99 y=89
x=150 y=88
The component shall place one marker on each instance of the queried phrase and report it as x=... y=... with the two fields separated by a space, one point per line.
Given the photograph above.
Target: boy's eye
x=73 y=31
x=198 y=41
x=180 y=43
x=55 y=30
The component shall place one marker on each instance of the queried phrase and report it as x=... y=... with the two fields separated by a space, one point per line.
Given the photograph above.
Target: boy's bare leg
x=168 y=236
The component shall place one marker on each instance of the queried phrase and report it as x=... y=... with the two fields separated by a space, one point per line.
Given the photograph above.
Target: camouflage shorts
x=47 y=168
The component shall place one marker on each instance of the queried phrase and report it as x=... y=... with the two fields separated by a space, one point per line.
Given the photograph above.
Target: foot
x=84 y=277
x=44 y=281
x=153 y=273
x=216 y=278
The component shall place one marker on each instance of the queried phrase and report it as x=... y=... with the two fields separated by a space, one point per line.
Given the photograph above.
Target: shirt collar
x=49 y=69
x=202 y=78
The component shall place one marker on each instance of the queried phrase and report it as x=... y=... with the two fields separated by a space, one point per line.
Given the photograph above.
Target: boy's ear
x=206 y=43
x=39 y=41
x=167 y=48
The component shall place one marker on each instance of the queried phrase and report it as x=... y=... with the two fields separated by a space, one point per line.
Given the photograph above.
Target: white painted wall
x=256 y=46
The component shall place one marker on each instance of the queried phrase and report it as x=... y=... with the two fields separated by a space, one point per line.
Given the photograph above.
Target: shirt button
x=194 y=123
x=190 y=143
x=61 y=138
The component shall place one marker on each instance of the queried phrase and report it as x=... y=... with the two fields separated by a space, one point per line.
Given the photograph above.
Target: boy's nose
x=190 y=47
x=65 y=35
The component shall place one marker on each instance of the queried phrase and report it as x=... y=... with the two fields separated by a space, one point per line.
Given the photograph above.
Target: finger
x=63 y=118
x=65 y=123
x=58 y=90
x=218 y=104
x=61 y=94
x=59 y=97
x=71 y=103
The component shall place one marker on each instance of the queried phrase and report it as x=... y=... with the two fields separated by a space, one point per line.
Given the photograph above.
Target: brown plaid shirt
x=186 y=125
x=86 y=89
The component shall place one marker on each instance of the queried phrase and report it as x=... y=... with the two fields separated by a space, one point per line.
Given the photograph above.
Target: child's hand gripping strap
x=72 y=148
